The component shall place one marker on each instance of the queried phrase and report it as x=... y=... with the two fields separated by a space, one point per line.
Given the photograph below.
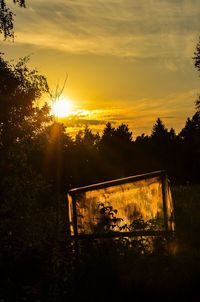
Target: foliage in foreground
x=7 y=18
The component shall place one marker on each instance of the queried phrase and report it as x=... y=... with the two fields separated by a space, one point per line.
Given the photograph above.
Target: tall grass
x=186 y=201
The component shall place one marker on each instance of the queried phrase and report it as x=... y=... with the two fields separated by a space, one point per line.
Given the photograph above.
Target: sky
x=127 y=61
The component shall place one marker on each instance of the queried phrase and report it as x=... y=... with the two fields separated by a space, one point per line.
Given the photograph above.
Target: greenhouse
x=136 y=205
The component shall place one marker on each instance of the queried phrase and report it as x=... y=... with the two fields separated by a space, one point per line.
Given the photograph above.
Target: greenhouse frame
x=138 y=205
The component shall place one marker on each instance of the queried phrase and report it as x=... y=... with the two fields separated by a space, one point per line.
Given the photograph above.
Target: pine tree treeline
x=117 y=154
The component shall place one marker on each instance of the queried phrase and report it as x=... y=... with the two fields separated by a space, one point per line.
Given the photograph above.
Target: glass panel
x=71 y=219
x=170 y=209
x=132 y=206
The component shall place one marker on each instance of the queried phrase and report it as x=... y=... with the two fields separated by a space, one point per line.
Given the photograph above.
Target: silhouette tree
x=159 y=132
x=164 y=148
x=23 y=190
x=142 y=138
x=123 y=135
x=7 y=18
x=107 y=148
x=20 y=119
x=196 y=57
x=120 y=136
x=197 y=104
x=172 y=134
x=85 y=158
x=87 y=138
x=190 y=147
x=115 y=148
x=108 y=134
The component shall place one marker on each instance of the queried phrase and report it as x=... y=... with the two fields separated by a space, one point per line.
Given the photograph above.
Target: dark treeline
x=117 y=154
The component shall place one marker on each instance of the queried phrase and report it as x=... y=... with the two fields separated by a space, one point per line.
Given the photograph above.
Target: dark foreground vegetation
x=48 y=269
x=39 y=162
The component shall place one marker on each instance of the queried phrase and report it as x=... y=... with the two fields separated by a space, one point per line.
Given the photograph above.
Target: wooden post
x=164 y=198
x=75 y=227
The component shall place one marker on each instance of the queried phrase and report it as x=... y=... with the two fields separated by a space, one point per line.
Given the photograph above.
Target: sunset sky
x=127 y=61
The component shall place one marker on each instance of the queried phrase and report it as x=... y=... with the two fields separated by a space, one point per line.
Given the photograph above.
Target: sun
x=62 y=107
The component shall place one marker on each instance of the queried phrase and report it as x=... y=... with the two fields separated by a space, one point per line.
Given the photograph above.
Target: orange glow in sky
x=123 y=64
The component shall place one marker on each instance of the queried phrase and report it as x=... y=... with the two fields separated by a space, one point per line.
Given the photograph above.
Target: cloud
x=79 y=122
x=130 y=28
x=129 y=52
x=140 y=116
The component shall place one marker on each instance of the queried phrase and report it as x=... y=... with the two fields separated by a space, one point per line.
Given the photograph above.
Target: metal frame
x=116 y=182
x=162 y=174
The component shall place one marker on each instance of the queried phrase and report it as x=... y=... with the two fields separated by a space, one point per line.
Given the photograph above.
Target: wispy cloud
x=130 y=28
x=128 y=53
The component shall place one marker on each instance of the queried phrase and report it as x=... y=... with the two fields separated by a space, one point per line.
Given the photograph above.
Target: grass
x=186 y=201
x=102 y=274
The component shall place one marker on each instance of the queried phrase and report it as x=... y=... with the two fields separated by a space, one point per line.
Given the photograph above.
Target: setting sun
x=62 y=107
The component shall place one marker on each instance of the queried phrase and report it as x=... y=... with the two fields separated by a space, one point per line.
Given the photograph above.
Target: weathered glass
x=140 y=203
